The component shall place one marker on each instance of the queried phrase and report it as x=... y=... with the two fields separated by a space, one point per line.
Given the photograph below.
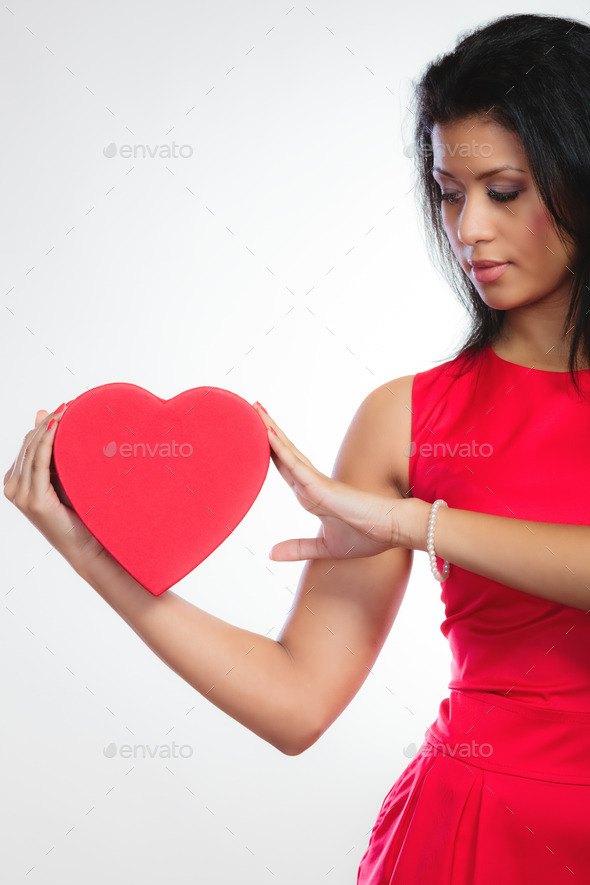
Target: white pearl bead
x=430 y=543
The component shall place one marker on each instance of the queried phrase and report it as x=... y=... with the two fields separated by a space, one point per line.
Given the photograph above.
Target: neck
x=539 y=342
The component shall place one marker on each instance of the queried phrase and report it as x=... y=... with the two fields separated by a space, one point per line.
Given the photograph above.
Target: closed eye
x=503 y=197
x=495 y=195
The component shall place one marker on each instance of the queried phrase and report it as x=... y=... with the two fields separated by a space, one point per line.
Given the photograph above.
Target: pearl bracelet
x=430 y=543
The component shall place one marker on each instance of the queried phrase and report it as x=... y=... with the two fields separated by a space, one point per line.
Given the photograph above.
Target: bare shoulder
x=375 y=451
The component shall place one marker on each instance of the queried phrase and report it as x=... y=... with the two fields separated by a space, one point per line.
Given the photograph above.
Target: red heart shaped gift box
x=160 y=483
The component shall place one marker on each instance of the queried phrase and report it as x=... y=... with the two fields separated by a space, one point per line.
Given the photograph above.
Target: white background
x=283 y=260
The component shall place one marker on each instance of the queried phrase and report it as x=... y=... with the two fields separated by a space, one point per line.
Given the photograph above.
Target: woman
x=500 y=789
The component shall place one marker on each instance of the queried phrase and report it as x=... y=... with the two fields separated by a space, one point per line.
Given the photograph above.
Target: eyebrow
x=481 y=174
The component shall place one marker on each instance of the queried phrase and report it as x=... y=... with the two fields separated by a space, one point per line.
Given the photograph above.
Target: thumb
x=296 y=549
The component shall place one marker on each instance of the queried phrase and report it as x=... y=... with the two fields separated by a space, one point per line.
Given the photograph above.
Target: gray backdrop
x=276 y=253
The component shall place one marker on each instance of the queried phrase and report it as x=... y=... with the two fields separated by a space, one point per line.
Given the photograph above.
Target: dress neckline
x=529 y=368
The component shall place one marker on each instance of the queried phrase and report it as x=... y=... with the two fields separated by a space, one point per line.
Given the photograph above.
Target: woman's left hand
x=354 y=523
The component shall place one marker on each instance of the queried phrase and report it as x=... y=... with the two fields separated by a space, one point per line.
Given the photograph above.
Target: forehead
x=476 y=142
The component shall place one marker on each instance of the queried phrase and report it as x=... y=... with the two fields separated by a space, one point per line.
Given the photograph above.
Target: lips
x=489 y=271
x=476 y=264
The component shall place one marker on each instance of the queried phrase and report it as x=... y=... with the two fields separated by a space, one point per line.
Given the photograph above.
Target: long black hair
x=531 y=75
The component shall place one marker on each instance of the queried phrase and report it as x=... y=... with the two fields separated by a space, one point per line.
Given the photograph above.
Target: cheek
x=538 y=244
x=540 y=224
x=542 y=248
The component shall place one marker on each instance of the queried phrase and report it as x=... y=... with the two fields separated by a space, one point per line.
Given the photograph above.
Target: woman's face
x=493 y=214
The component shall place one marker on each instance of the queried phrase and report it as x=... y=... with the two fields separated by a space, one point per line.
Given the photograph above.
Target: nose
x=475 y=222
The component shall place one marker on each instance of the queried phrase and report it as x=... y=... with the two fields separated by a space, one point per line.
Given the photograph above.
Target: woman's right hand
x=28 y=485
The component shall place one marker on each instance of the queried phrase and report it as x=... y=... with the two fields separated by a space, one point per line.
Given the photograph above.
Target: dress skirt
x=498 y=794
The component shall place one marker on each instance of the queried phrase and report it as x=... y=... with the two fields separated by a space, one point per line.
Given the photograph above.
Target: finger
x=297 y=549
x=41 y=414
x=283 y=470
x=9 y=473
x=13 y=473
x=17 y=476
x=282 y=437
x=313 y=489
x=268 y=421
x=287 y=452
x=275 y=449
x=294 y=471
x=30 y=450
x=41 y=461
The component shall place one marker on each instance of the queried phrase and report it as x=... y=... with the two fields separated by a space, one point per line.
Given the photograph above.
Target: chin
x=499 y=303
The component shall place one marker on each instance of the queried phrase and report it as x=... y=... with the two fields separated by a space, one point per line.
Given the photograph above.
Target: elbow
x=299 y=740
x=300 y=715
x=295 y=748
x=294 y=744
x=291 y=750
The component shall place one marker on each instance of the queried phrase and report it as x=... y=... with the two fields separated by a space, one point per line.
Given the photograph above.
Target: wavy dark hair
x=531 y=75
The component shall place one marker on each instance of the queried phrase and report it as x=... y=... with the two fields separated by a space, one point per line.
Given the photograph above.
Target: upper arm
x=345 y=608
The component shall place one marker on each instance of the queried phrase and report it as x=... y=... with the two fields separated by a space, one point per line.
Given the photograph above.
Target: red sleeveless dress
x=499 y=792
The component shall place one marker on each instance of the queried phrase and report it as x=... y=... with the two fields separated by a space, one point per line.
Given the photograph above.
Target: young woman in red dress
x=495 y=487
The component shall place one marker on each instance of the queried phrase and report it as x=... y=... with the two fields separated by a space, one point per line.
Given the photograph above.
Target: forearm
x=250 y=677
x=548 y=560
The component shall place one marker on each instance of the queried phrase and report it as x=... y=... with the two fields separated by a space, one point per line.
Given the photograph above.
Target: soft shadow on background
x=278 y=254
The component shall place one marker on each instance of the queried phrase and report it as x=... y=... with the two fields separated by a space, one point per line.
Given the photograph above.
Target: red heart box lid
x=160 y=483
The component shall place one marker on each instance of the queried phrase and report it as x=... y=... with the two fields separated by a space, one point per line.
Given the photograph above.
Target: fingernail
x=272 y=430
x=69 y=401
x=261 y=406
x=60 y=408
x=51 y=423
